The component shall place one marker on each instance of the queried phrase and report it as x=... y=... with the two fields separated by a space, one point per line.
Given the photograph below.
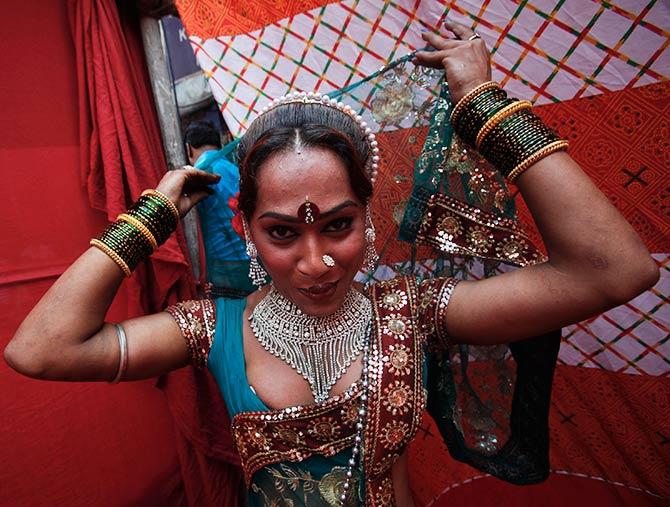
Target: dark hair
x=202 y=133
x=311 y=125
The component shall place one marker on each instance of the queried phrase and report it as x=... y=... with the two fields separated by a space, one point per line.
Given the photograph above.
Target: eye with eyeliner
x=286 y=233
x=281 y=233
x=338 y=225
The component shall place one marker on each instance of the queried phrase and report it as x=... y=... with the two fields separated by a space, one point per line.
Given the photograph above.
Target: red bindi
x=308 y=211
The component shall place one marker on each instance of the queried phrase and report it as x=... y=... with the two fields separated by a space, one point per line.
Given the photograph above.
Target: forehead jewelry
x=308 y=211
x=372 y=162
x=328 y=260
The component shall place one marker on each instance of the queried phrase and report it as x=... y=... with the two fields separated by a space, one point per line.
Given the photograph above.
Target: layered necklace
x=318 y=348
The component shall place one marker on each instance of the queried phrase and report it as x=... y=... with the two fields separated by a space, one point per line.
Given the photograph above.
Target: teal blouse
x=314 y=482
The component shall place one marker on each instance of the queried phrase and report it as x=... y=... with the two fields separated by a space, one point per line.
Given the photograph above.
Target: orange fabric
x=620 y=139
x=213 y=18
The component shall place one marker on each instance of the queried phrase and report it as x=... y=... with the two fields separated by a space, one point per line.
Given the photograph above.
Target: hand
x=186 y=187
x=466 y=62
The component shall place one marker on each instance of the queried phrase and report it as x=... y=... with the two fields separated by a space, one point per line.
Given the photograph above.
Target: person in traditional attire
x=325 y=380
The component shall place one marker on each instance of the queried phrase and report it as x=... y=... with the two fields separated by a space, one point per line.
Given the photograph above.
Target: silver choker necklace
x=318 y=348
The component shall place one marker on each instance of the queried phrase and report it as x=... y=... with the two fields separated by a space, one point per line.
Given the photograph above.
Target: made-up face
x=292 y=185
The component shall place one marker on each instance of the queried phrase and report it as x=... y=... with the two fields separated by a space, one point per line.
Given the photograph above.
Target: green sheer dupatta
x=491 y=404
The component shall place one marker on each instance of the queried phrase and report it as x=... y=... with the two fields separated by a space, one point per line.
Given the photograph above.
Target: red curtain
x=121 y=154
x=120 y=144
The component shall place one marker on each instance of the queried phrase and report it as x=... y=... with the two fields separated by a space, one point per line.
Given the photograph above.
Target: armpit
x=197 y=320
x=434 y=296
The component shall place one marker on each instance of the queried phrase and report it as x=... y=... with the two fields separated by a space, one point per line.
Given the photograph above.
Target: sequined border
x=296 y=433
x=197 y=321
x=396 y=398
x=433 y=304
x=453 y=227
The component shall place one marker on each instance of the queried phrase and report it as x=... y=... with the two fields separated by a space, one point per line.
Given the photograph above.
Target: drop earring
x=371 y=256
x=256 y=272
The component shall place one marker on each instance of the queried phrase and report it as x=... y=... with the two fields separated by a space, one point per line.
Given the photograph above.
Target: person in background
x=227 y=260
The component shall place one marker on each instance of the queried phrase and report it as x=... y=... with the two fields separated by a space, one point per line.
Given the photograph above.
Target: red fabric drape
x=120 y=141
x=121 y=154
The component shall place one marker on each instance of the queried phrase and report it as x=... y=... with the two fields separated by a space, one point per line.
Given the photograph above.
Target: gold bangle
x=469 y=96
x=141 y=227
x=165 y=199
x=112 y=255
x=561 y=144
x=506 y=111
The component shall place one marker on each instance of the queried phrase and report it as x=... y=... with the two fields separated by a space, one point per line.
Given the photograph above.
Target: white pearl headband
x=372 y=163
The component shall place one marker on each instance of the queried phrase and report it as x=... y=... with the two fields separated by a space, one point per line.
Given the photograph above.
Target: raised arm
x=596 y=260
x=65 y=338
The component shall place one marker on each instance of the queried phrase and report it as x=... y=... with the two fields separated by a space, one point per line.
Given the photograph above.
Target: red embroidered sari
x=298 y=455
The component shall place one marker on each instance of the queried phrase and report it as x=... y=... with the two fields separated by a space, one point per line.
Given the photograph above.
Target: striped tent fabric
x=598 y=72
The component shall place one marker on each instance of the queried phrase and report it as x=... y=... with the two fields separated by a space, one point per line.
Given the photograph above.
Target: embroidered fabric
x=490 y=403
x=196 y=320
x=296 y=433
x=316 y=482
x=276 y=446
x=484 y=399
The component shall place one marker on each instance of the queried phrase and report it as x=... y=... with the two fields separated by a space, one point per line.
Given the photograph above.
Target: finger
x=192 y=187
x=460 y=30
x=194 y=170
x=200 y=195
x=196 y=177
x=431 y=59
x=438 y=41
x=188 y=200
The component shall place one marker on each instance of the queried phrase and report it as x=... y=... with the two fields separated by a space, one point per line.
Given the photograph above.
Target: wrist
x=137 y=233
x=504 y=130
x=464 y=89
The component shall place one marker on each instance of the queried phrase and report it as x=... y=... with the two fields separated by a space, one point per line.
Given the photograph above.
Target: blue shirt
x=227 y=261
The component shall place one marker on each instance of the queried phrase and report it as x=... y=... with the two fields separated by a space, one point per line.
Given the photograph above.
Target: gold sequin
x=479 y=239
x=397 y=325
x=394 y=300
x=451 y=225
x=512 y=249
x=396 y=397
x=289 y=435
x=399 y=359
x=394 y=433
x=325 y=428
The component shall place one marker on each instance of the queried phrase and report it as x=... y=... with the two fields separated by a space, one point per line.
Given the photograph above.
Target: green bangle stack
x=138 y=232
x=506 y=132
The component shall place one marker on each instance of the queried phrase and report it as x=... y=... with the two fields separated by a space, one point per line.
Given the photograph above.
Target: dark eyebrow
x=294 y=219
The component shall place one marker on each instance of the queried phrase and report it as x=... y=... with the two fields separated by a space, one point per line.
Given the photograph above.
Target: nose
x=310 y=264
